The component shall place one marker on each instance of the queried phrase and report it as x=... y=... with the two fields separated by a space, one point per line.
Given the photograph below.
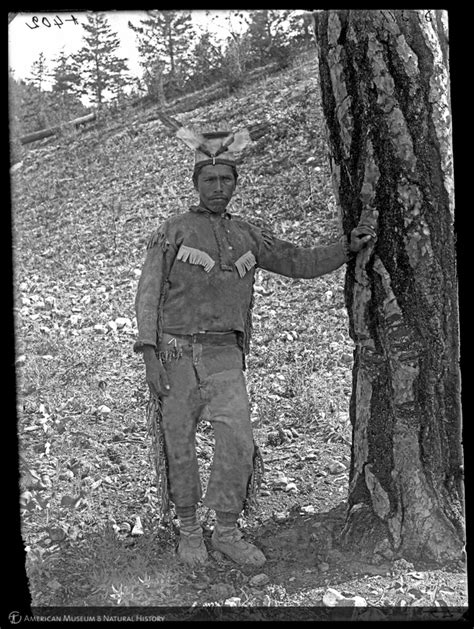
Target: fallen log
x=46 y=133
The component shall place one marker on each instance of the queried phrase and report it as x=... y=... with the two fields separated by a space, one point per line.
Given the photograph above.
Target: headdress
x=215 y=147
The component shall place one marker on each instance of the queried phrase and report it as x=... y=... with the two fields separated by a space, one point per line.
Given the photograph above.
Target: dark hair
x=200 y=165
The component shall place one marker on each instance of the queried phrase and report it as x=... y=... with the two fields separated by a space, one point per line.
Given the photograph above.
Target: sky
x=29 y=35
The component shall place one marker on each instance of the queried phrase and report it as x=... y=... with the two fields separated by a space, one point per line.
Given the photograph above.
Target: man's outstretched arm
x=285 y=258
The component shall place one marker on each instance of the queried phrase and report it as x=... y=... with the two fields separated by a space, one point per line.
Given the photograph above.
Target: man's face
x=216 y=185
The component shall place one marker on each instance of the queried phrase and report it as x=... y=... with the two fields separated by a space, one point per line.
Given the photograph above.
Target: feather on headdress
x=224 y=145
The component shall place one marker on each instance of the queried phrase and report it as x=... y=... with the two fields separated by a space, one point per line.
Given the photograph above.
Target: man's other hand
x=156 y=376
x=360 y=237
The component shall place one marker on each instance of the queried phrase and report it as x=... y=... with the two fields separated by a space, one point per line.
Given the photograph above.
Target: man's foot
x=191 y=548
x=228 y=540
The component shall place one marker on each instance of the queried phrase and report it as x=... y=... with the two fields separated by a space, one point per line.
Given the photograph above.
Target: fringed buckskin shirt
x=199 y=272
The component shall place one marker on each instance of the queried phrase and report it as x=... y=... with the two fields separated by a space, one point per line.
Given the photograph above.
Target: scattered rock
x=122 y=322
x=280 y=516
x=291 y=487
x=324 y=567
x=259 y=579
x=333 y=598
x=16 y=167
x=336 y=467
x=56 y=534
x=343 y=418
x=234 y=601
x=70 y=501
x=103 y=410
x=281 y=481
x=138 y=528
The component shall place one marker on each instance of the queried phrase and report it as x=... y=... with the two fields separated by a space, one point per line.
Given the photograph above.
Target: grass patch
x=106 y=570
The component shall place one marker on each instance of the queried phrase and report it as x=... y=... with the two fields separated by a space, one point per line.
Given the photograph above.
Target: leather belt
x=204 y=338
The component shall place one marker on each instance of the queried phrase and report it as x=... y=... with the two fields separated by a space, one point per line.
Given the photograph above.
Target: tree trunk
x=385 y=93
x=46 y=133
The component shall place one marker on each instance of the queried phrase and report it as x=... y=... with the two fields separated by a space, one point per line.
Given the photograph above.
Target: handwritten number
x=34 y=19
x=57 y=21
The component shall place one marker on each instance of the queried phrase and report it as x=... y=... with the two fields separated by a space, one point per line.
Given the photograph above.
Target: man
x=193 y=309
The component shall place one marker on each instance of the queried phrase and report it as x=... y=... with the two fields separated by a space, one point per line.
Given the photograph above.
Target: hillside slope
x=83 y=208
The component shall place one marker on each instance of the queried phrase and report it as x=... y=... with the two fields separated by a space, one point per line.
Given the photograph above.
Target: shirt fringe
x=158 y=238
x=245 y=263
x=255 y=482
x=195 y=256
x=159 y=458
x=267 y=237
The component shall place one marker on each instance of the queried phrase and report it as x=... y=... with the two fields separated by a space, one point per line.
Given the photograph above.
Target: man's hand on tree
x=156 y=376
x=360 y=236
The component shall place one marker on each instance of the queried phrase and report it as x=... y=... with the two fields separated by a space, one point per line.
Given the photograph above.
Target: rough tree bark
x=385 y=92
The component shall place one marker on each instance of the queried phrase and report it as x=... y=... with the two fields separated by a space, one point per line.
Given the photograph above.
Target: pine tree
x=39 y=72
x=66 y=87
x=35 y=100
x=164 y=41
x=102 y=71
x=268 y=38
x=207 y=64
x=384 y=79
x=236 y=59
